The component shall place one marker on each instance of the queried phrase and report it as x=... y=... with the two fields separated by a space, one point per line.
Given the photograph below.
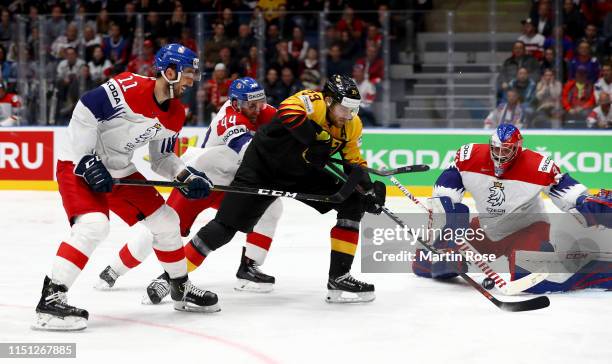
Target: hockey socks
x=343 y=247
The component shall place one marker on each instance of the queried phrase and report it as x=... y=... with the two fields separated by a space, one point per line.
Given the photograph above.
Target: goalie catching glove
x=91 y=168
x=595 y=210
x=197 y=184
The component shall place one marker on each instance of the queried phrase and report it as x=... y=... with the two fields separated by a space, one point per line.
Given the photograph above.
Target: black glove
x=96 y=175
x=198 y=185
x=317 y=153
x=374 y=199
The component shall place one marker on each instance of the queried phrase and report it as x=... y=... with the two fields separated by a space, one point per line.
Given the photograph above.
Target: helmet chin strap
x=171 y=83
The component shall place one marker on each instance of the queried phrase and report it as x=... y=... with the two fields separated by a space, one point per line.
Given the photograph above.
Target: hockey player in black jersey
x=290 y=154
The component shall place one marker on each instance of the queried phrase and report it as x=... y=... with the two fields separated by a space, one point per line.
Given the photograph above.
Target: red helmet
x=505 y=146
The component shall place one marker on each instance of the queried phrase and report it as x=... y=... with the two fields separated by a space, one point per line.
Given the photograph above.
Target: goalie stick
x=531 y=304
x=389 y=172
x=343 y=193
x=507 y=288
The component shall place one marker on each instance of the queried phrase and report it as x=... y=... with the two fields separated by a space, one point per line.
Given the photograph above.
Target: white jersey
x=507 y=204
x=225 y=142
x=602 y=86
x=120 y=116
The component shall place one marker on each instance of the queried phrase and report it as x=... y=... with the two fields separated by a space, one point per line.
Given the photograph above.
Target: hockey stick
x=390 y=172
x=338 y=197
x=507 y=288
x=531 y=304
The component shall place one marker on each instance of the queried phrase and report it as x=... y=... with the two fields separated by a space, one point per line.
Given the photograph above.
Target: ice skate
x=53 y=312
x=251 y=279
x=346 y=289
x=188 y=297
x=107 y=280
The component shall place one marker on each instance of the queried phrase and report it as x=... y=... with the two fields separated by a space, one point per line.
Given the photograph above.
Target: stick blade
x=533 y=304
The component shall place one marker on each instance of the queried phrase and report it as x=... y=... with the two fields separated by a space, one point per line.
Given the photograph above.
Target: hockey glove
x=317 y=154
x=374 y=199
x=91 y=168
x=595 y=210
x=198 y=185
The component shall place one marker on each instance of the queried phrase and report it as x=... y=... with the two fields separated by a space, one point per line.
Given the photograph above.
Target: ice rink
x=412 y=320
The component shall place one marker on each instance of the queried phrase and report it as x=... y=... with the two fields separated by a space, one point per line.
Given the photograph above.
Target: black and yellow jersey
x=299 y=120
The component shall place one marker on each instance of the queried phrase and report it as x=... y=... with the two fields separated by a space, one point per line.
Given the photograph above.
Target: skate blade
x=102 y=285
x=338 y=296
x=245 y=285
x=187 y=307
x=47 y=322
x=146 y=300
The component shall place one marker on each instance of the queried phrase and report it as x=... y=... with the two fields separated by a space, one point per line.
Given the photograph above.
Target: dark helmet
x=340 y=88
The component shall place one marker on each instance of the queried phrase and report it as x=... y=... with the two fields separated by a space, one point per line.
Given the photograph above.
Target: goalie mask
x=505 y=146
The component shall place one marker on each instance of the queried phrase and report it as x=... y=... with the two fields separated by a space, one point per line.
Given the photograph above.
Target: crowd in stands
x=84 y=43
x=536 y=88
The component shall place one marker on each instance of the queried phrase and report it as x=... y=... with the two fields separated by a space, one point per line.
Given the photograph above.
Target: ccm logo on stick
x=275 y=193
x=26 y=155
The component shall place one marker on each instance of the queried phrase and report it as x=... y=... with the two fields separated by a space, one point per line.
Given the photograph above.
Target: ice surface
x=412 y=320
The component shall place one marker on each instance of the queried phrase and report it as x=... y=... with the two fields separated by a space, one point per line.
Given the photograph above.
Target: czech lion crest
x=497 y=196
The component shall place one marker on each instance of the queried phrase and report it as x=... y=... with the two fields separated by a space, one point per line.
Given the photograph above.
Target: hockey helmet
x=179 y=56
x=246 y=89
x=343 y=91
x=505 y=145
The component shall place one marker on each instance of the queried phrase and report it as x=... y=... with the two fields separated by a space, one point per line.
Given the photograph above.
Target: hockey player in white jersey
x=219 y=156
x=505 y=181
x=108 y=123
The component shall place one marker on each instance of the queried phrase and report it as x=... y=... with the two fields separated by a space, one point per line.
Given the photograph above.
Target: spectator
x=368 y=95
x=10 y=107
x=573 y=21
x=284 y=58
x=373 y=65
x=526 y=88
x=214 y=45
x=68 y=71
x=274 y=91
x=245 y=40
x=549 y=62
x=373 y=37
x=548 y=95
x=578 y=97
x=604 y=84
x=335 y=63
x=85 y=79
x=103 y=22
x=64 y=41
x=332 y=35
x=55 y=25
x=250 y=64
x=351 y=23
x=591 y=37
x=285 y=24
x=510 y=112
x=229 y=23
x=517 y=60
x=90 y=40
x=288 y=83
x=7 y=27
x=99 y=66
x=143 y=65
x=601 y=116
x=584 y=59
x=298 y=46
x=543 y=20
x=272 y=38
x=128 y=20
x=309 y=70
x=155 y=27
x=350 y=47
x=177 y=22
x=270 y=8
x=116 y=47
x=231 y=64
x=534 y=42
x=217 y=87
x=566 y=42
x=5 y=65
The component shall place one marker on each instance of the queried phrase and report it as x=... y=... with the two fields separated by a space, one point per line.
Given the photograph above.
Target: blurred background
x=418 y=63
